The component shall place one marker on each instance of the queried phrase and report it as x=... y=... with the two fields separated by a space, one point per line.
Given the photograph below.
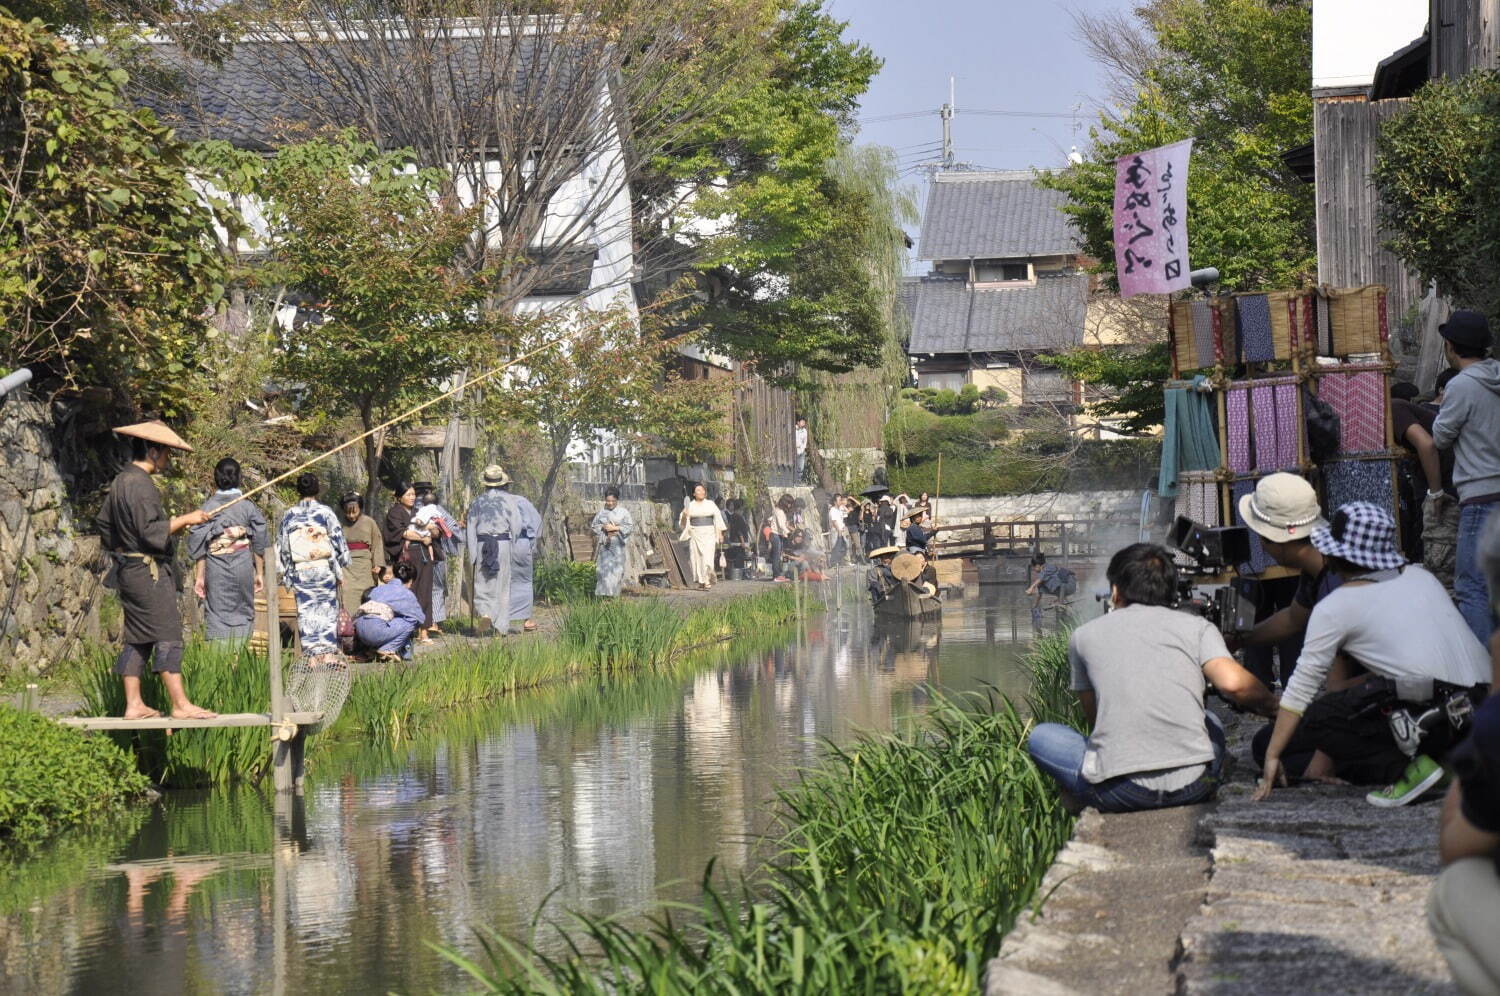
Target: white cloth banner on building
x=1151 y=243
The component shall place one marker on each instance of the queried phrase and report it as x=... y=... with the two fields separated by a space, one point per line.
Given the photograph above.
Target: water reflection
x=604 y=799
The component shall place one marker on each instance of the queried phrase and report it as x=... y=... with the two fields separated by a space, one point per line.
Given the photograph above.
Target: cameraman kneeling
x=1140 y=673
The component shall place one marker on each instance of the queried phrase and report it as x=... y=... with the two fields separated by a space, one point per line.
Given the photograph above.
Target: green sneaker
x=1420 y=775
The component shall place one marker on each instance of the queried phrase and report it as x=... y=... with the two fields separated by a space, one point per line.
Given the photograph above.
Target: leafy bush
x=1036 y=463
x=53 y=777
x=1438 y=174
x=557 y=581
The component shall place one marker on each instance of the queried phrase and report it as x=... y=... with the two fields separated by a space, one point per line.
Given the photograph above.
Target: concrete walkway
x=1313 y=891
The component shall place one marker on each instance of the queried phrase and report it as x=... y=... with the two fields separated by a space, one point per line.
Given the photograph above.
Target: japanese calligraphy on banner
x=1151 y=246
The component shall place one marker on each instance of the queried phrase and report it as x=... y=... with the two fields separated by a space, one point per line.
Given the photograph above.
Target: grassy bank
x=601 y=640
x=903 y=861
x=53 y=777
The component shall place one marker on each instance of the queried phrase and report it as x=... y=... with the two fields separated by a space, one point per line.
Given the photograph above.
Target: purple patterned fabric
x=1263 y=413
x=1360 y=400
x=1259 y=559
x=1237 y=413
x=1288 y=425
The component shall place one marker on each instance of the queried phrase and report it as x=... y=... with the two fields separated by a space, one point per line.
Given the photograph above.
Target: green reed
x=902 y=862
x=226 y=677
x=601 y=640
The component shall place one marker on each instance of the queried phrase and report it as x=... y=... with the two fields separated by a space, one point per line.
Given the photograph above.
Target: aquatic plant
x=226 y=676
x=603 y=640
x=556 y=581
x=53 y=777
x=902 y=861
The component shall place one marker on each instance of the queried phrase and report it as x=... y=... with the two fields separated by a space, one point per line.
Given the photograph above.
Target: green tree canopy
x=1232 y=75
x=373 y=256
x=1438 y=174
x=109 y=274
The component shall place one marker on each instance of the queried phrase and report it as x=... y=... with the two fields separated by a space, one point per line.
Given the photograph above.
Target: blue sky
x=1006 y=55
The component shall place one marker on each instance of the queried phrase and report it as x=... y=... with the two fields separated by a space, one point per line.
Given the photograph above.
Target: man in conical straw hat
x=137 y=533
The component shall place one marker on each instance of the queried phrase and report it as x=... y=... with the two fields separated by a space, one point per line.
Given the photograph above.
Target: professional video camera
x=1230 y=605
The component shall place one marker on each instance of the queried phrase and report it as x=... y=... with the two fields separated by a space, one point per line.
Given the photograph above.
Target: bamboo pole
x=936 y=494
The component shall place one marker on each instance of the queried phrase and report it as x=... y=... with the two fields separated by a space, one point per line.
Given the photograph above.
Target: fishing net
x=319 y=687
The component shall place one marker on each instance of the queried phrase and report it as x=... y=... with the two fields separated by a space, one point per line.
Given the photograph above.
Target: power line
x=985 y=111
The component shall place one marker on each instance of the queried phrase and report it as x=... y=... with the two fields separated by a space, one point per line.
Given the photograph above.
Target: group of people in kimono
x=382 y=586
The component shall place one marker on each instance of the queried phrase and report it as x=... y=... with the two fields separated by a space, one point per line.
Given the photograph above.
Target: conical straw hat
x=155 y=432
x=907 y=567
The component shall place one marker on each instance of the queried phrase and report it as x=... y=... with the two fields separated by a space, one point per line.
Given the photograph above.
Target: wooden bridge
x=1000 y=551
x=288 y=729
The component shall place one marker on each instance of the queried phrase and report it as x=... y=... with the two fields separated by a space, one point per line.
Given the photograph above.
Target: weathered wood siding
x=1349 y=239
x=1464 y=36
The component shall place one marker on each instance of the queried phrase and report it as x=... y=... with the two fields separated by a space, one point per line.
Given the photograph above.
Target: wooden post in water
x=286 y=745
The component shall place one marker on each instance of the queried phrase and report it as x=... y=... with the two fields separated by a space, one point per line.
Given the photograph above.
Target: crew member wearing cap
x=1283 y=511
x=489 y=526
x=137 y=532
x=1398 y=622
x=1469 y=423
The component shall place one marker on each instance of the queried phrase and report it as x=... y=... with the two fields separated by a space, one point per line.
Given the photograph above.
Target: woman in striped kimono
x=310 y=543
x=612 y=527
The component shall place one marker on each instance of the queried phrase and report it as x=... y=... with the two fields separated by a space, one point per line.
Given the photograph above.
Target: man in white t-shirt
x=1425 y=665
x=1140 y=673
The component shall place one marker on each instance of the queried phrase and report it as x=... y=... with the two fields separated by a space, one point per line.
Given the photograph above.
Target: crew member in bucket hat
x=1395 y=620
x=1283 y=511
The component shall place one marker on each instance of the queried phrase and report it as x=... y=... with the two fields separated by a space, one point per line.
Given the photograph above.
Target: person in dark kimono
x=136 y=532
x=313 y=554
x=228 y=552
x=490 y=526
x=405 y=541
x=528 y=524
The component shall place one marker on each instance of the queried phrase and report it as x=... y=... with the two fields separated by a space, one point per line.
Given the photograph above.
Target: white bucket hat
x=1283 y=507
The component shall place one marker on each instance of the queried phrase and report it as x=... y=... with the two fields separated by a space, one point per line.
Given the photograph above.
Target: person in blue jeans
x=1469 y=424
x=391 y=638
x=1140 y=672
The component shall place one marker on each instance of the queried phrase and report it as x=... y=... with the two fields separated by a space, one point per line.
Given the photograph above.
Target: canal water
x=597 y=799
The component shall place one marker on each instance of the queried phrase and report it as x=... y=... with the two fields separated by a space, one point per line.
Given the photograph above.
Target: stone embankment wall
x=1122 y=505
x=48 y=579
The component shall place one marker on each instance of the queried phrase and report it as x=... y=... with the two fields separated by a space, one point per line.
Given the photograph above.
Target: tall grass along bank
x=602 y=640
x=52 y=777
x=903 y=861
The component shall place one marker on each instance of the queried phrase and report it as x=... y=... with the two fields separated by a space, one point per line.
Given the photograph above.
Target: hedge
x=53 y=777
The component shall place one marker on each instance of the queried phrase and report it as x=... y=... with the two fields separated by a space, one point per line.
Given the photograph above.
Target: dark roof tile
x=951 y=317
x=994 y=215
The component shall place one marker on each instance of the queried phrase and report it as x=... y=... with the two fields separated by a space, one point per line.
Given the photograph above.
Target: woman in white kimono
x=702 y=526
x=612 y=527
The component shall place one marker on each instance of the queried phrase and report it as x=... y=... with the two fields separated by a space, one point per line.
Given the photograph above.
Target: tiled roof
x=994 y=215
x=951 y=317
x=269 y=92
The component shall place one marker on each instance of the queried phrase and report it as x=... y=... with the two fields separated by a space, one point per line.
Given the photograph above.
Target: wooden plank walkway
x=168 y=723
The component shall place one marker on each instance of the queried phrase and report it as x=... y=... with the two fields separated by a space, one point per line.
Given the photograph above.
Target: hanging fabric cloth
x=1190 y=442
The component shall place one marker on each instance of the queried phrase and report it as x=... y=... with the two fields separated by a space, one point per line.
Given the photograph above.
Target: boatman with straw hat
x=489 y=526
x=137 y=533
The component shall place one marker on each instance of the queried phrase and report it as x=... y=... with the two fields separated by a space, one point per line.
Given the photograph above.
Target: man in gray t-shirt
x=1140 y=673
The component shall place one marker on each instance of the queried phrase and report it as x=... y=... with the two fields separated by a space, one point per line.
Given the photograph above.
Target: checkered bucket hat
x=1361 y=533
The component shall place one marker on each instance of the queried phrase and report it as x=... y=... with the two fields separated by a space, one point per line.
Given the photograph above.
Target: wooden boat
x=909 y=601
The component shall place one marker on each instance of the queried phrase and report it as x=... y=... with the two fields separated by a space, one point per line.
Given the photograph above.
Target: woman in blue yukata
x=310 y=543
x=612 y=526
x=390 y=616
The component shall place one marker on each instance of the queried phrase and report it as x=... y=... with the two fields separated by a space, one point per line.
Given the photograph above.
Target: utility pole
x=949 y=109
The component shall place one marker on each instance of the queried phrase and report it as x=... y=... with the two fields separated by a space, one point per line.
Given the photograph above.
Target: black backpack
x=1322 y=427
